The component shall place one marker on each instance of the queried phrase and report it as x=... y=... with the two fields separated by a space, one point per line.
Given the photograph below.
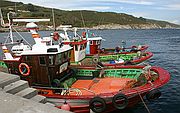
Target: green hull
x=3 y=65
x=116 y=57
x=117 y=73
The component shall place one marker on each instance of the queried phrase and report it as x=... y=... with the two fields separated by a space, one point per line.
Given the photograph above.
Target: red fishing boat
x=81 y=89
x=114 y=88
x=94 y=46
x=87 y=52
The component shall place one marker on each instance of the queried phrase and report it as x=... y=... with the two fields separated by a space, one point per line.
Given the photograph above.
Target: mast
x=54 y=25
x=65 y=28
x=32 y=27
x=1 y=17
x=9 y=16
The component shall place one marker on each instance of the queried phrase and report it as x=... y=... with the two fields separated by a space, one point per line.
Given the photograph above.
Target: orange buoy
x=66 y=106
x=24 y=69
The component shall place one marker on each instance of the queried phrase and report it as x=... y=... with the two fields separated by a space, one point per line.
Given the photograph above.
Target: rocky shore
x=108 y=26
x=134 y=26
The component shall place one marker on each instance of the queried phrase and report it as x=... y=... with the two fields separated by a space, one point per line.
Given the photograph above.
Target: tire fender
x=97 y=104
x=153 y=95
x=120 y=101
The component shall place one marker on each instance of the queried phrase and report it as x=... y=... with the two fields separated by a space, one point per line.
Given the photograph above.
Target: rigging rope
x=144 y=103
x=22 y=37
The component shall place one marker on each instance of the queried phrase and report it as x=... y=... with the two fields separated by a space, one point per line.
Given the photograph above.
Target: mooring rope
x=144 y=103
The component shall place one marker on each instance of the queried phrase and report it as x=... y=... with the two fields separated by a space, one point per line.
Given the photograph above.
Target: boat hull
x=107 y=58
x=80 y=103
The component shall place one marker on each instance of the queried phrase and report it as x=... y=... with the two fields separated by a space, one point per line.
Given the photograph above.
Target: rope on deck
x=144 y=103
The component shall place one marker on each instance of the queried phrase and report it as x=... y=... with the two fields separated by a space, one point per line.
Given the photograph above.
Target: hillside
x=91 y=18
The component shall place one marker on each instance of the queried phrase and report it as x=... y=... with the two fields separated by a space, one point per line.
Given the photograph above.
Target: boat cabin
x=43 y=65
x=78 y=43
x=93 y=45
x=78 y=53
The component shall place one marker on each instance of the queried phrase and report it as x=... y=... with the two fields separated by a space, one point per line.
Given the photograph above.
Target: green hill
x=91 y=18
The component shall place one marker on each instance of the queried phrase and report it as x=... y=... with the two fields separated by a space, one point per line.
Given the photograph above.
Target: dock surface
x=17 y=97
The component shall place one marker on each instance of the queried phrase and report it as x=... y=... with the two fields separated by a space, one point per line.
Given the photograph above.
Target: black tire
x=97 y=104
x=95 y=60
x=153 y=95
x=123 y=101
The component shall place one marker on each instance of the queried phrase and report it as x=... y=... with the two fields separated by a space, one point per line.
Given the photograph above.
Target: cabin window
x=42 y=60
x=51 y=60
x=17 y=50
x=76 y=47
x=91 y=42
x=69 y=54
x=98 y=42
x=58 y=59
x=52 y=50
x=28 y=58
x=65 y=56
x=81 y=47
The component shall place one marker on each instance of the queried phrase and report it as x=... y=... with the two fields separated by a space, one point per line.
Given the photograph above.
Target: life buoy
x=97 y=104
x=120 y=101
x=56 y=36
x=153 y=95
x=24 y=69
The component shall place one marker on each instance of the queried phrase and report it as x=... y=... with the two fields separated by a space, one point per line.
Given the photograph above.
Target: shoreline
x=100 y=27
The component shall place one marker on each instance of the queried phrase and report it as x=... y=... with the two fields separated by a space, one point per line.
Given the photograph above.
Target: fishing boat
x=86 y=51
x=101 y=89
x=106 y=89
x=94 y=46
x=44 y=58
x=17 y=44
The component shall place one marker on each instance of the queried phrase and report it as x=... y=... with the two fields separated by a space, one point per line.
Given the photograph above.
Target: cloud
x=169 y=7
x=94 y=8
x=173 y=7
x=67 y=3
x=139 y=14
x=140 y=2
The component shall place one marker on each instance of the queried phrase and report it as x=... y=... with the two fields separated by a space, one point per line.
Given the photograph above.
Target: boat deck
x=103 y=85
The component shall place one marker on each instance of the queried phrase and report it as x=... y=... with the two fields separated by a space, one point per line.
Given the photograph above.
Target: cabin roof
x=95 y=38
x=79 y=42
x=44 y=50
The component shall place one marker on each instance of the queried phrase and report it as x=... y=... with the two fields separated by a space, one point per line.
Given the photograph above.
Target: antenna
x=1 y=17
x=31 y=20
x=65 y=28
x=32 y=27
x=54 y=25
x=9 y=15
x=82 y=19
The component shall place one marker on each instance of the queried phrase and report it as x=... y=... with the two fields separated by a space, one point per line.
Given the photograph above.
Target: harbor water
x=163 y=43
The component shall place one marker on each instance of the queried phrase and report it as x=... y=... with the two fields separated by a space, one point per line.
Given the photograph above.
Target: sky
x=166 y=10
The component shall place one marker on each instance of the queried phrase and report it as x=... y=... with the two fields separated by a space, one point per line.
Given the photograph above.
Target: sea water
x=163 y=43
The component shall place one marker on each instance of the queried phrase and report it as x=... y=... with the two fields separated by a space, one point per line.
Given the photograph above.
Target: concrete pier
x=17 y=97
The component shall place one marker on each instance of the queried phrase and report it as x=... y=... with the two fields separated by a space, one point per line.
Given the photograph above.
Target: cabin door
x=42 y=72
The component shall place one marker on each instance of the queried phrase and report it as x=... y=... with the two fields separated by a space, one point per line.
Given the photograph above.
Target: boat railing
x=66 y=91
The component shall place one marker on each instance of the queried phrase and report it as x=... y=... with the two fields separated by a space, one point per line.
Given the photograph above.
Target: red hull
x=132 y=94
